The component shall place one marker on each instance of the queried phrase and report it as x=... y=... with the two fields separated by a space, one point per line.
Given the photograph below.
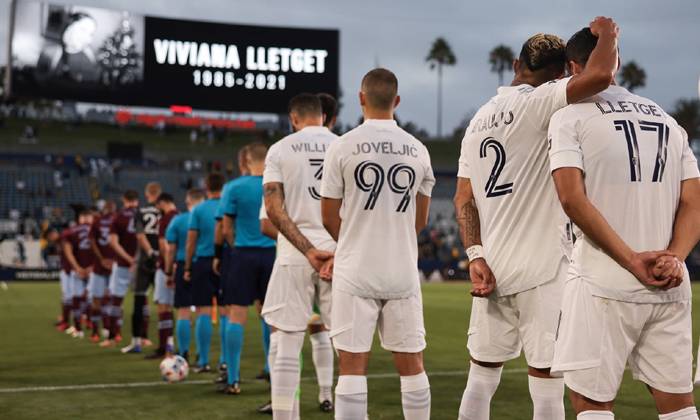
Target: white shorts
x=399 y=321
x=291 y=294
x=77 y=285
x=597 y=337
x=162 y=294
x=119 y=281
x=97 y=286
x=65 y=280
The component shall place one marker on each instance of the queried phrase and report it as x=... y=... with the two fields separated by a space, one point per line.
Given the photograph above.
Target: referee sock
x=285 y=373
x=322 y=355
x=223 y=357
x=203 y=332
x=688 y=413
x=547 y=398
x=266 y=343
x=351 y=397
x=595 y=415
x=182 y=331
x=481 y=385
x=234 y=348
x=415 y=397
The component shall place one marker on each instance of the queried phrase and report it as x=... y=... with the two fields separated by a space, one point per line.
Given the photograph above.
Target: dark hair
x=195 y=194
x=329 y=106
x=215 y=182
x=305 y=104
x=544 y=52
x=257 y=152
x=380 y=87
x=580 y=46
x=165 y=197
x=130 y=195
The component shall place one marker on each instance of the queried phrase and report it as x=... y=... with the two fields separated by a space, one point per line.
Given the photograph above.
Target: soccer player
x=292 y=178
x=146 y=227
x=102 y=269
x=174 y=267
x=79 y=254
x=164 y=292
x=627 y=178
x=64 y=278
x=506 y=199
x=199 y=255
x=251 y=259
x=380 y=178
x=330 y=109
x=122 y=239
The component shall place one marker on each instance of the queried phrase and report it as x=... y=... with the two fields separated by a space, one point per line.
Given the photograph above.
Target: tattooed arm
x=274 y=206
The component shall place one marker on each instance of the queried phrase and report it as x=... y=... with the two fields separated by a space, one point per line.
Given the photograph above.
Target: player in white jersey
x=627 y=178
x=376 y=188
x=506 y=199
x=291 y=181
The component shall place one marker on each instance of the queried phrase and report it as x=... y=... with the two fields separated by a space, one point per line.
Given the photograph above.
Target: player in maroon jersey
x=122 y=239
x=102 y=269
x=64 y=277
x=78 y=252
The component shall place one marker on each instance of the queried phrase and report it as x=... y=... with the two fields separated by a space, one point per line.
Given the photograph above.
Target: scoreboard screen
x=97 y=55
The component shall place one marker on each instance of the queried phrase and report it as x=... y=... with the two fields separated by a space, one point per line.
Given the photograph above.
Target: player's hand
x=318 y=257
x=216 y=265
x=642 y=266
x=187 y=275
x=106 y=263
x=326 y=271
x=483 y=281
x=602 y=25
x=669 y=268
x=83 y=273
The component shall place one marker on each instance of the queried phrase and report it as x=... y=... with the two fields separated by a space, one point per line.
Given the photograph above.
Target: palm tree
x=501 y=60
x=687 y=113
x=632 y=76
x=440 y=55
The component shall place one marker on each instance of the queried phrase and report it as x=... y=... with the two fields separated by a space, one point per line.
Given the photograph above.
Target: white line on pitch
x=202 y=382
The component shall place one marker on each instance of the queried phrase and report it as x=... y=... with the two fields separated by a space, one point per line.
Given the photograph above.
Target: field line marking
x=201 y=382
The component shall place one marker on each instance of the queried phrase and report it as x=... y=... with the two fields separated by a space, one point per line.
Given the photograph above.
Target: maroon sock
x=77 y=313
x=115 y=321
x=165 y=329
x=66 y=312
x=146 y=319
x=106 y=305
x=95 y=319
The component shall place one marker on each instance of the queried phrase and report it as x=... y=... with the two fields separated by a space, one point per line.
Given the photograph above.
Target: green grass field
x=33 y=354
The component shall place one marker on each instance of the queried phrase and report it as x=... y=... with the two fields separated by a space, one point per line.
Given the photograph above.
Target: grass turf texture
x=33 y=354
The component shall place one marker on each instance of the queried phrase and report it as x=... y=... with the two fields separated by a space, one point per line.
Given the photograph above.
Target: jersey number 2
x=492 y=188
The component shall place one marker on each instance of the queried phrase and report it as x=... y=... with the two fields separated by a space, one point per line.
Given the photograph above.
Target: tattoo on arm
x=274 y=195
x=469 y=224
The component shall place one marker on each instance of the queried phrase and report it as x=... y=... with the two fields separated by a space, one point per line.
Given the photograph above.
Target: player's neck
x=308 y=123
x=213 y=195
x=256 y=169
x=377 y=114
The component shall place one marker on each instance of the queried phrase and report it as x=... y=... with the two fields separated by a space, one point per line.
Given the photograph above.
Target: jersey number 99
x=370 y=177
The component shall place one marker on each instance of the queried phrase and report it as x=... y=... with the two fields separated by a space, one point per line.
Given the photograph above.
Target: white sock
x=547 y=398
x=688 y=413
x=351 y=397
x=481 y=385
x=595 y=415
x=285 y=374
x=322 y=355
x=272 y=353
x=415 y=397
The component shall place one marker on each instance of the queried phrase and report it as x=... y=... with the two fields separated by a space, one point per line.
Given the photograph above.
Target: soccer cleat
x=202 y=369
x=107 y=343
x=70 y=330
x=222 y=378
x=326 y=406
x=222 y=367
x=95 y=338
x=118 y=338
x=263 y=376
x=131 y=348
x=158 y=354
x=265 y=408
x=78 y=334
x=186 y=356
x=233 y=389
x=62 y=326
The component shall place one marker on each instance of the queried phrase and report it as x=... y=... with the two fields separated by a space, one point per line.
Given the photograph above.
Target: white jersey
x=296 y=161
x=377 y=169
x=634 y=157
x=504 y=154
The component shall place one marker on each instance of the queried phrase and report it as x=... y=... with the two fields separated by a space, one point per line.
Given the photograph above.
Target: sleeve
x=564 y=145
x=273 y=167
x=332 y=185
x=463 y=165
x=426 y=185
x=230 y=205
x=545 y=100
x=689 y=168
x=194 y=219
x=263 y=212
x=95 y=230
x=138 y=221
x=171 y=232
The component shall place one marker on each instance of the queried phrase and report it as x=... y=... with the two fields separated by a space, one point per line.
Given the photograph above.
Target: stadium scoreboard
x=97 y=55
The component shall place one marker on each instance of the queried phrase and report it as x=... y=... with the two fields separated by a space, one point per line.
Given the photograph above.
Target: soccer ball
x=174 y=369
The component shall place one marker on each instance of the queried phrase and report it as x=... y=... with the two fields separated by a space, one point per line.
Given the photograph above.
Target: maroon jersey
x=100 y=234
x=65 y=265
x=162 y=227
x=123 y=227
x=79 y=239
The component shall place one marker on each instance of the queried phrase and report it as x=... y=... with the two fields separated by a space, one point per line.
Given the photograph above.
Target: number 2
x=492 y=188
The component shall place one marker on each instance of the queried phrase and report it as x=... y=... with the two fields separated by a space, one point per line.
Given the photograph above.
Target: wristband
x=474 y=252
x=218 y=250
